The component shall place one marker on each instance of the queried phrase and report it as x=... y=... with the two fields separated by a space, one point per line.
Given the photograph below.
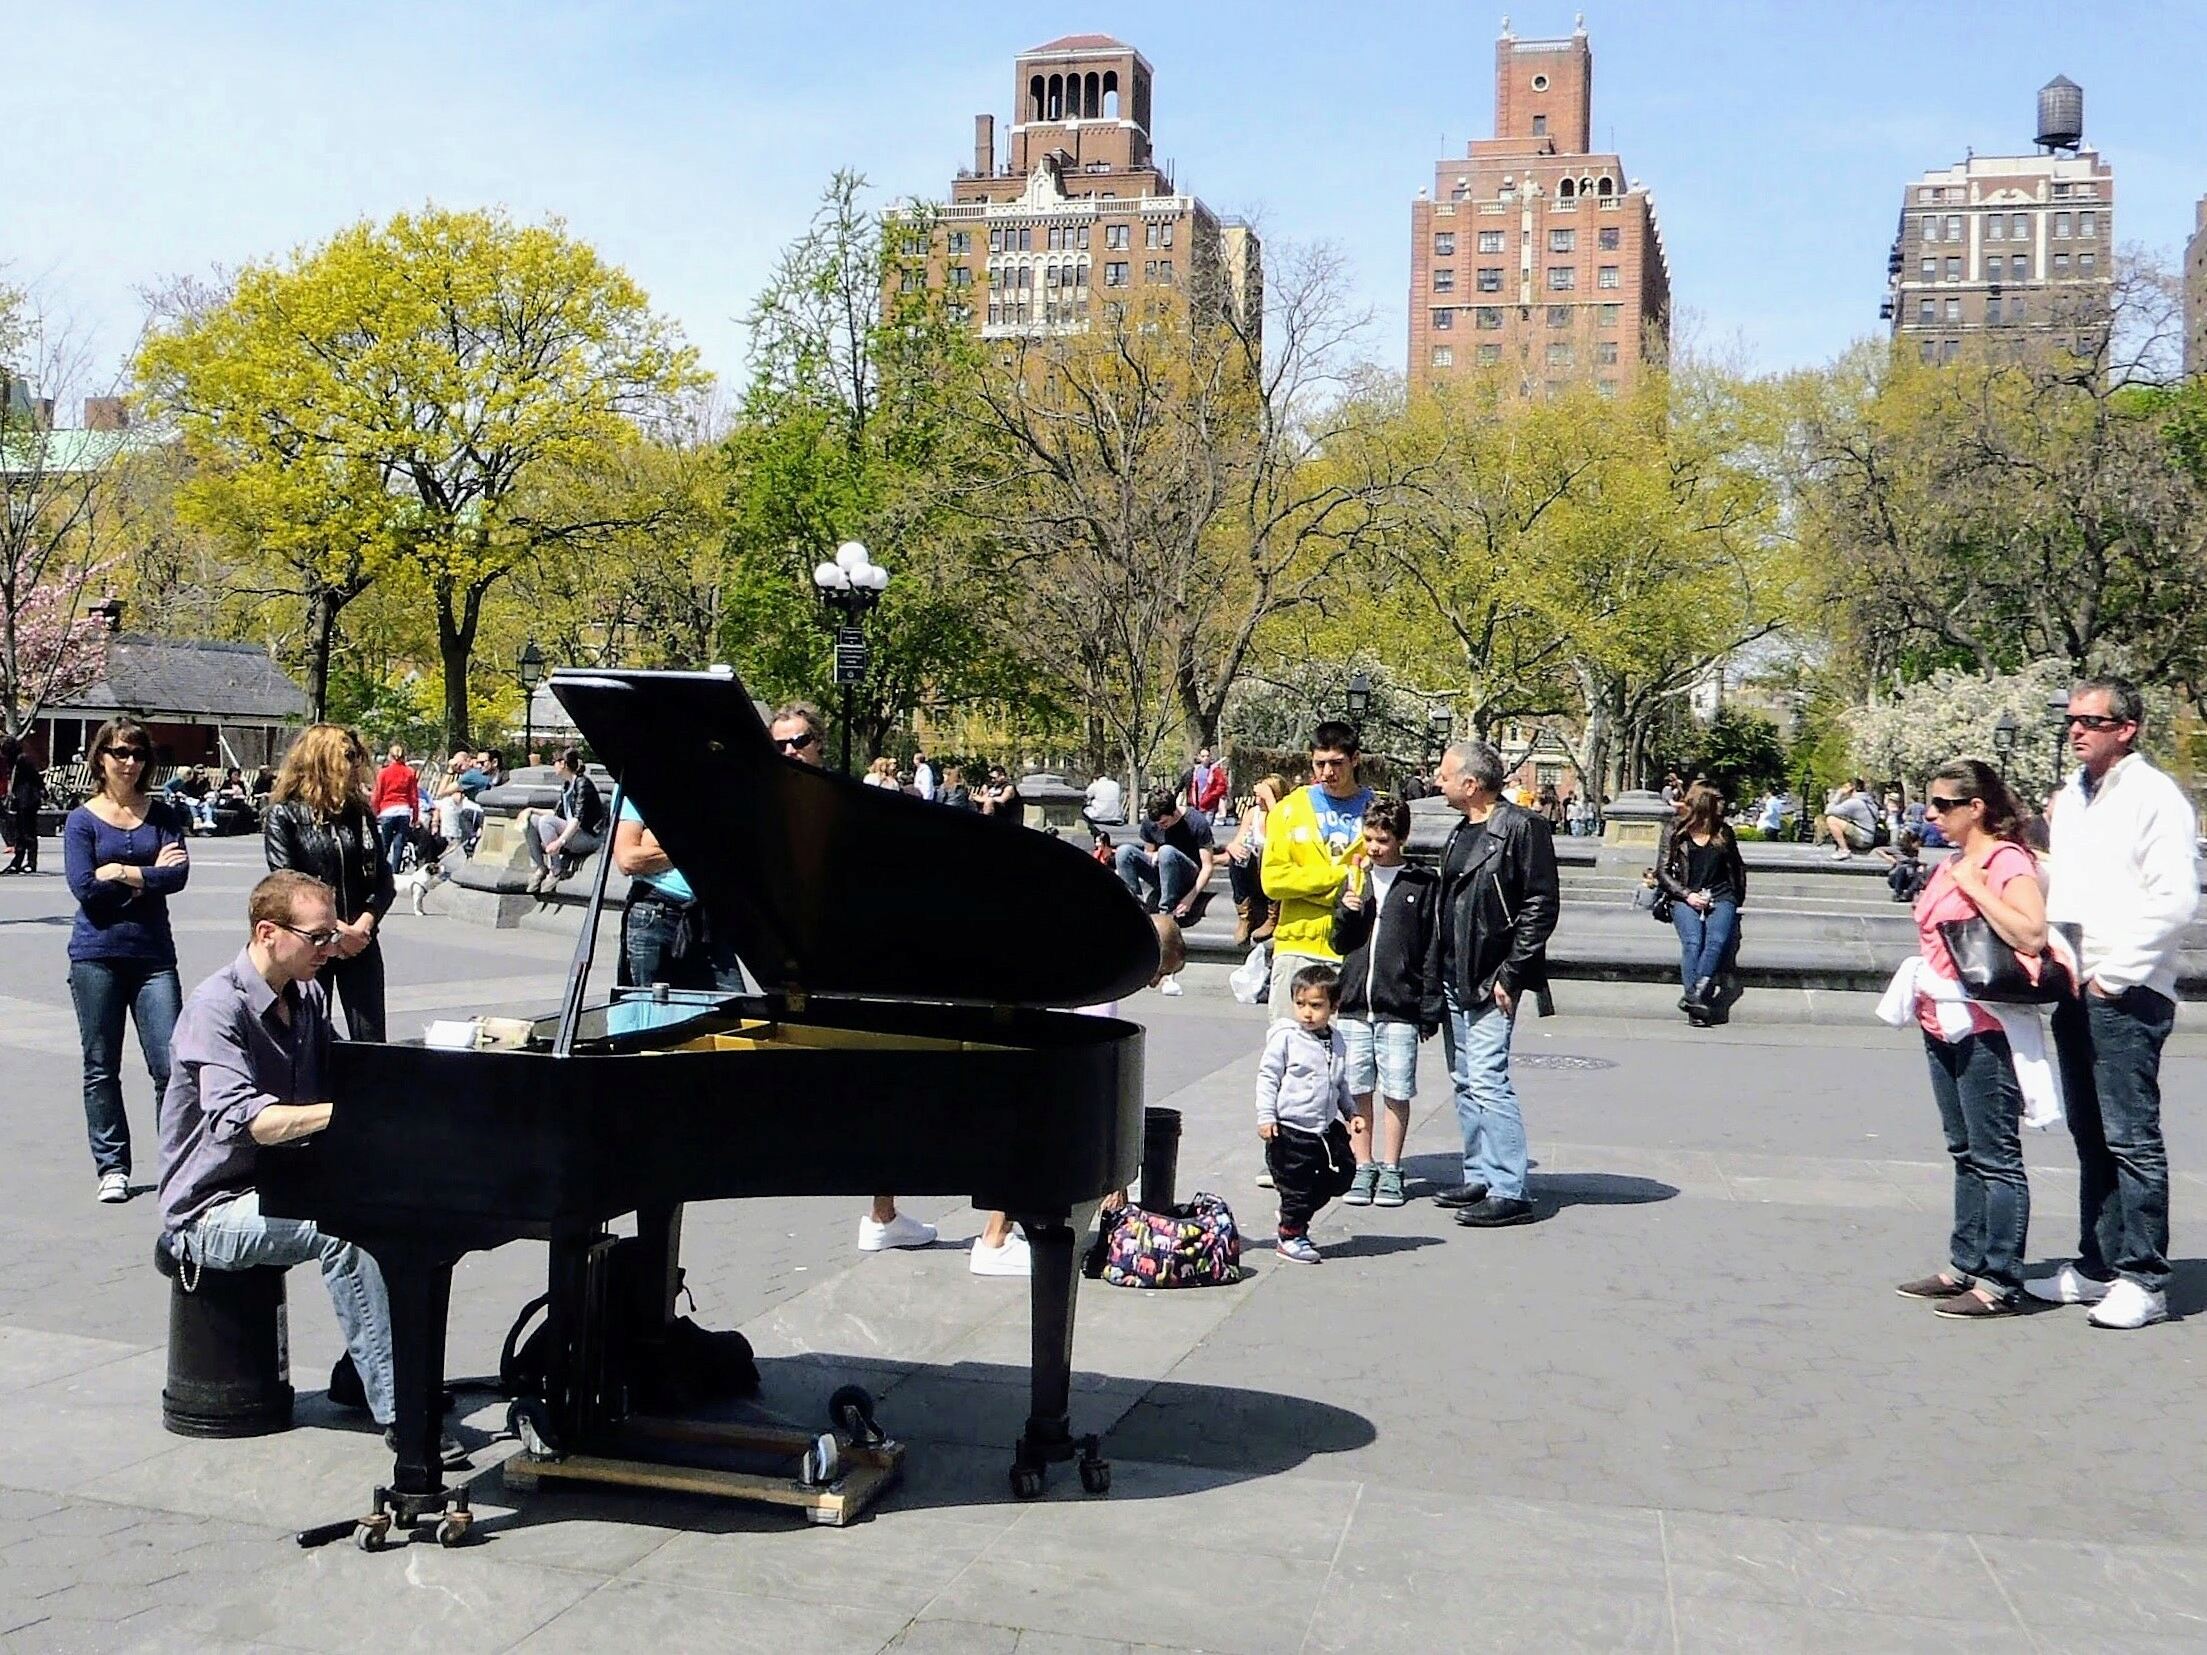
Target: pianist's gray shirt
x=232 y=1057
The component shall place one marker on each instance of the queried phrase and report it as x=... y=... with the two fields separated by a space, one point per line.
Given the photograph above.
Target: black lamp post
x=530 y=670
x=1359 y=699
x=849 y=588
x=2057 y=708
x=1440 y=724
x=2003 y=741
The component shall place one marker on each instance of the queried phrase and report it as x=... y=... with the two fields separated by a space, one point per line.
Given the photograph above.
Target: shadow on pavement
x=1596 y=1189
x=1377 y=1246
x=2187 y=1286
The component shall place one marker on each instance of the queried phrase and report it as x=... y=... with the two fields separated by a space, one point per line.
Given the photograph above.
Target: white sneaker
x=114 y=1187
x=1011 y=1259
x=2068 y=1285
x=1170 y=988
x=2129 y=1305
x=1264 y=1178
x=901 y=1231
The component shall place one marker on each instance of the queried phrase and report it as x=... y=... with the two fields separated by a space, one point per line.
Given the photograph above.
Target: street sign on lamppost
x=530 y=670
x=850 y=587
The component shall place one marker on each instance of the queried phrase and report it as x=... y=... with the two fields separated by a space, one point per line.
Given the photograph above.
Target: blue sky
x=689 y=141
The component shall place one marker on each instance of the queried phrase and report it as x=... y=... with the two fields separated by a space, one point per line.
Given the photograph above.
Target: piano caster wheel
x=453 y=1526
x=823 y=1462
x=1094 y=1468
x=372 y=1534
x=851 y=1411
x=1026 y=1482
x=525 y=1419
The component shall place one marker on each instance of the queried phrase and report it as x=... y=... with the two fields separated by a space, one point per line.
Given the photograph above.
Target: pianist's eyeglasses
x=316 y=939
x=796 y=743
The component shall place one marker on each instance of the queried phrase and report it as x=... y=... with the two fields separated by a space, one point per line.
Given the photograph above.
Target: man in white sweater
x=2125 y=871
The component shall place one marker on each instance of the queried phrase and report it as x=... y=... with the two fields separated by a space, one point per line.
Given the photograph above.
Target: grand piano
x=906 y=957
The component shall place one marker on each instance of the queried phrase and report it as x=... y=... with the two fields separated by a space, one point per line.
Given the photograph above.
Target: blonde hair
x=322 y=771
x=884 y=767
x=1277 y=783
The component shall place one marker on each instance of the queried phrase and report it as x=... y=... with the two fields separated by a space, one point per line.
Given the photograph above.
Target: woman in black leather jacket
x=319 y=824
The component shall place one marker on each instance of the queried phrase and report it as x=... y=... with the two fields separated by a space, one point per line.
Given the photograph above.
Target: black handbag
x=1988 y=967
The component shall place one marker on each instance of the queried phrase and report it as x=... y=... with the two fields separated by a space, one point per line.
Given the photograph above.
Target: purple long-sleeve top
x=116 y=920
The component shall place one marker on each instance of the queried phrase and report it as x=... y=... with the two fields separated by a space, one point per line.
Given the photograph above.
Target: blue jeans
x=397 y=828
x=1171 y=877
x=1704 y=940
x=105 y=992
x=1981 y=1107
x=663 y=943
x=2110 y=1053
x=234 y=1235
x=1478 y=1045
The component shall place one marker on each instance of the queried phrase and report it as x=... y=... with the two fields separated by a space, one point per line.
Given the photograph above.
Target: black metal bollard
x=1160 y=1158
x=229 y=1351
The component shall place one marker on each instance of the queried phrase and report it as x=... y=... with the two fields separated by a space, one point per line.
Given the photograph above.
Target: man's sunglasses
x=2094 y=721
x=796 y=743
x=1941 y=806
x=316 y=939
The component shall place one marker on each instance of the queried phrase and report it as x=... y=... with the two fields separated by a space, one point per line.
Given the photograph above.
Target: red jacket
x=396 y=789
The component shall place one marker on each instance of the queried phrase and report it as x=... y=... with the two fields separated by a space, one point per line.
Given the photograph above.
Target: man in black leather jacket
x=1499 y=897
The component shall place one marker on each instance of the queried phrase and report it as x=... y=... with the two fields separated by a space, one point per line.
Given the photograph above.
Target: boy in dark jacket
x=1383 y=931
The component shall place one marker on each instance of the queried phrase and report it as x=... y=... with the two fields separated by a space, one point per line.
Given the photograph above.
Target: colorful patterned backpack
x=1195 y=1245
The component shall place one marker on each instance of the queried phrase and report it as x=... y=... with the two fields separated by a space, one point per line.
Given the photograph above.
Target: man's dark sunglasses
x=2094 y=721
x=317 y=939
x=1941 y=806
x=794 y=744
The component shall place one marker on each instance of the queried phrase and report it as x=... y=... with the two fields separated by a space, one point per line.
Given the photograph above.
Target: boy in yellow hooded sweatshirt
x=1313 y=840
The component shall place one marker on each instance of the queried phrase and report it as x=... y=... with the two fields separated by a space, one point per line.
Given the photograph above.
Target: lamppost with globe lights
x=529 y=669
x=850 y=587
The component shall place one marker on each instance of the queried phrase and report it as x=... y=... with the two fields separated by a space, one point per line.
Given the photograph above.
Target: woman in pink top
x=1991 y=873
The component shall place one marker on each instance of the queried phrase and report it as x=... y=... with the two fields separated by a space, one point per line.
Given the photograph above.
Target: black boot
x=1700 y=1004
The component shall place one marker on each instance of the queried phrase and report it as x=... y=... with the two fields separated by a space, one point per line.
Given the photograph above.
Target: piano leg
x=1054 y=1250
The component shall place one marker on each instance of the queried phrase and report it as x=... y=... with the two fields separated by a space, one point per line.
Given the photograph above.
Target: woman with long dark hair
x=1992 y=874
x=319 y=823
x=1701 y=871
x=124 y=853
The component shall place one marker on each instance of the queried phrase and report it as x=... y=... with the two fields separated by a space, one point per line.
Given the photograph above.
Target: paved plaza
x=1686 y=1411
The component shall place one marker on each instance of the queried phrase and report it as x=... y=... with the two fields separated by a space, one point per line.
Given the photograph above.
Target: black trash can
x=229 y=1350
x=1160 y=1158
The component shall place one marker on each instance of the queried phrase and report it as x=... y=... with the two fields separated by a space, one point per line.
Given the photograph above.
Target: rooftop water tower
x=2061 y=115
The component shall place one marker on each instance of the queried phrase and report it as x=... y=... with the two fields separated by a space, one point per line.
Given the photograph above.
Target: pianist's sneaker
x=1011 y=1259
x=901 y=1231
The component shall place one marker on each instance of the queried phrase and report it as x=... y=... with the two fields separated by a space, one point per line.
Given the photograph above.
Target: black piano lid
x=829 y=887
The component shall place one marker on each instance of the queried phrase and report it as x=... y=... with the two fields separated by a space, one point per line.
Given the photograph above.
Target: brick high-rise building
x=2006 y=247
x=1080 y=215
x=1534 y=261
x=2195 y=296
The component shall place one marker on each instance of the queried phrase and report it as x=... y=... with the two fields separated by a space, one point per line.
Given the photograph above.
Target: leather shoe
x=1496 y=1211
x=1459 y=1195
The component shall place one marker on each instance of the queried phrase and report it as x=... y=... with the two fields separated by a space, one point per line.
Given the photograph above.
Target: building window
x=1149 y=270
x=1610 y=315
x=2061 y=264
x=1149 y=233
x=1928 y=270
x=1562 y=241
x=1949 y=349
x=961 y=275
x=1559 y=356
x=1082 y=242
x=1444 y=319
x=1605 y=353
x=2016 y=308
x=1607 y=387
x=2087 y=226
x=1559 y=316
x=996 y=241
x=1611 y=238
x=1488 y=317
x=1562 y=278
x=1115 y=273
x=1115 y=237
x=1931 y=226
x=1444 y=281
x=1489 y=355
x=958 y=241
x=1953 y=269
x=2019 y=227
x=1954 y=226
x=2061 y=192
x=1927 y=310
x=2061 y=226
x=1540 y=126
x=1444 y=356
x=2019 y=266
x=1490 y=241
x=1954 y=310
x=1080 y=274
x=2086 y=263
x=1996 y=226
x=1929 y=350
x=1490 y=278
x=1444 y=244
x=1992 y=311
x=1608 y=276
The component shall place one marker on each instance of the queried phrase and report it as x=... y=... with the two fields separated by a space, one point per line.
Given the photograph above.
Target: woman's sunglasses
x=1942 y=806
x=131 y=755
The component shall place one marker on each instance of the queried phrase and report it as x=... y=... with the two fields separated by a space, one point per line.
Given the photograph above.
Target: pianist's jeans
x=236 y=1235
x=106 y=993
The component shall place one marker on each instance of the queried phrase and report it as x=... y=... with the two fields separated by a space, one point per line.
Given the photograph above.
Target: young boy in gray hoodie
x=1303 y=1108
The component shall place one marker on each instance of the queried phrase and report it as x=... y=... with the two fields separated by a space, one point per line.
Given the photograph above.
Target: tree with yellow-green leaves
x=430 y=394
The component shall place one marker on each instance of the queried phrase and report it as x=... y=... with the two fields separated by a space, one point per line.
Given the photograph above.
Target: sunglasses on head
x=796 y=743
x=2094 y=721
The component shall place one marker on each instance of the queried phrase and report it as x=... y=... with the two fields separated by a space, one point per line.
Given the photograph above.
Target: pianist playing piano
x=249 y=1072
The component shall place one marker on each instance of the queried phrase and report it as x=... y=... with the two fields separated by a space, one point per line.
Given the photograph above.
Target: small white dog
x=424 y=878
